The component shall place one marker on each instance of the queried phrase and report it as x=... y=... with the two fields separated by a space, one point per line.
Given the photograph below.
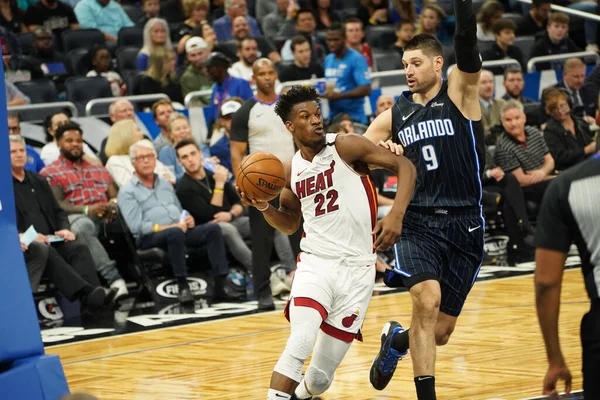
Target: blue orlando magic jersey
x=446 y=148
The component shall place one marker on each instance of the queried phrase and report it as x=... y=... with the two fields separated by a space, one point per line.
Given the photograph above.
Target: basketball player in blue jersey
x=437 y=125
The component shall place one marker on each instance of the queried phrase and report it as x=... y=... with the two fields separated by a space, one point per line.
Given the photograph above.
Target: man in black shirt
x=68 y=263
x=504 y=33
x=554 y=41
x=303 y=68
x=514 y=84
x=570 y=214
x=535 y=20
x=208 y=197
x=52 y=15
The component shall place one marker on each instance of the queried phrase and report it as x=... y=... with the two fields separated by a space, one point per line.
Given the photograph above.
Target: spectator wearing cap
x=303 y=68
x=219 y=141
x=195 y=78
x=224 y=26
x=554 y=41
x=504 y=34
x=105 y=15
x=226 y=86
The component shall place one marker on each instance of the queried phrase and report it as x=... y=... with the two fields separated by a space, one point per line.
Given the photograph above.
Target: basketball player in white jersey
x=329 y=186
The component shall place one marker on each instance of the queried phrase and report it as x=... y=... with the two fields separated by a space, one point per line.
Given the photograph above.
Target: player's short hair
x=185 y=142
x=511 y=105
x=502 y=24
x=512 y=70
x=298 y=40
x=558 y=18
x=240 y=44
x=296 y=95
x=429 y=45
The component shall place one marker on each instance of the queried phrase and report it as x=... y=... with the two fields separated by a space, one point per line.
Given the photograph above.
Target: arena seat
x=85 y=38
x=80 y=90
x=130 y=36
x=79 y=63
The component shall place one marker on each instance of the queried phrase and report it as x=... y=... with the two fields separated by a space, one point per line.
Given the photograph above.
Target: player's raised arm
x=355 y=148
x=464 y=80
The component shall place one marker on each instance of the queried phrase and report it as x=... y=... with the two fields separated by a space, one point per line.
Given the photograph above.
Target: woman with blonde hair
x=430 y=20
x=196 y=12
x=120 y=138
x=489 y=13
x=156 y=36
x=178 y=128
x=161 y=76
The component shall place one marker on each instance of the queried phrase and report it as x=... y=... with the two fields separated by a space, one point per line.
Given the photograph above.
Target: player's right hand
x=395 y=148
x=554 y=373
x=387 y=231
x=260 y=205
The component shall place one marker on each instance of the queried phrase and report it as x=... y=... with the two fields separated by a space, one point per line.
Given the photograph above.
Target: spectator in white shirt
x=120 y=138
x=248 y=53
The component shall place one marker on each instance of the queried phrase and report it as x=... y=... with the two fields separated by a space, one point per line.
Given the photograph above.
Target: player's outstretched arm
x=464 y=80
x=381 y=128
x=548 y=280
x=356 y=149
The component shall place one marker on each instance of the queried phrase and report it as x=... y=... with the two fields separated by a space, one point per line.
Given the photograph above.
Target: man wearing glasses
x=34 y=161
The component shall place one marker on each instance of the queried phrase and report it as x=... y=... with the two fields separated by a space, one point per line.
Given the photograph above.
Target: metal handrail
x=134 y=99
x=382 y=74
x=571 y=11
x=192 y=95
x=492 y=63
x=565 y=56
x=57 y=104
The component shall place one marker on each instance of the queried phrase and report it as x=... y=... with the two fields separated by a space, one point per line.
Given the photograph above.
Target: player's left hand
x=395 y=148
x=387 y=231
x=258 y=204
x=554 y=373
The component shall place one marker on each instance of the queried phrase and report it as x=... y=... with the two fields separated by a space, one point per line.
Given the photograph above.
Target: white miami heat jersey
x=339 y=205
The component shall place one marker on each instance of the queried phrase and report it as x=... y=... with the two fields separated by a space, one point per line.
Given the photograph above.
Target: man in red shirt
x=88 y=195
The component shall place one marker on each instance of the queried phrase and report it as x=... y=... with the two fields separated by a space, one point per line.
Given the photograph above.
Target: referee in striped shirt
x=522 y=151
x=570 y=214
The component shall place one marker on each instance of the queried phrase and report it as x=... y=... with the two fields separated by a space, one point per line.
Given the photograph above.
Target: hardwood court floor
x=496 y=352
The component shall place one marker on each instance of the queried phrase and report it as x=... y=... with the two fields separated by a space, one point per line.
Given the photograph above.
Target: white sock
x=301 y=392
x=277 y=395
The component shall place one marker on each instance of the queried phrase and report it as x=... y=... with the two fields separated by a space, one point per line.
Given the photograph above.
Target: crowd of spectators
x=228 y=48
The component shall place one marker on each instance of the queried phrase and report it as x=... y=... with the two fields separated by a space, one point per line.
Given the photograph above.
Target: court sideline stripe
x=232 y=336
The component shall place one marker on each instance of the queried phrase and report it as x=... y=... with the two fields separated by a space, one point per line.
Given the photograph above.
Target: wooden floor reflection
x=496 y=352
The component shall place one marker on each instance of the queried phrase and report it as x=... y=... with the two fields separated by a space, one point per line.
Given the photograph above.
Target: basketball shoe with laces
x=384 y=365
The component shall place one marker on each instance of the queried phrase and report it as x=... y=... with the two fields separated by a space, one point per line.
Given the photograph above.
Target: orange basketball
x=261 y=176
